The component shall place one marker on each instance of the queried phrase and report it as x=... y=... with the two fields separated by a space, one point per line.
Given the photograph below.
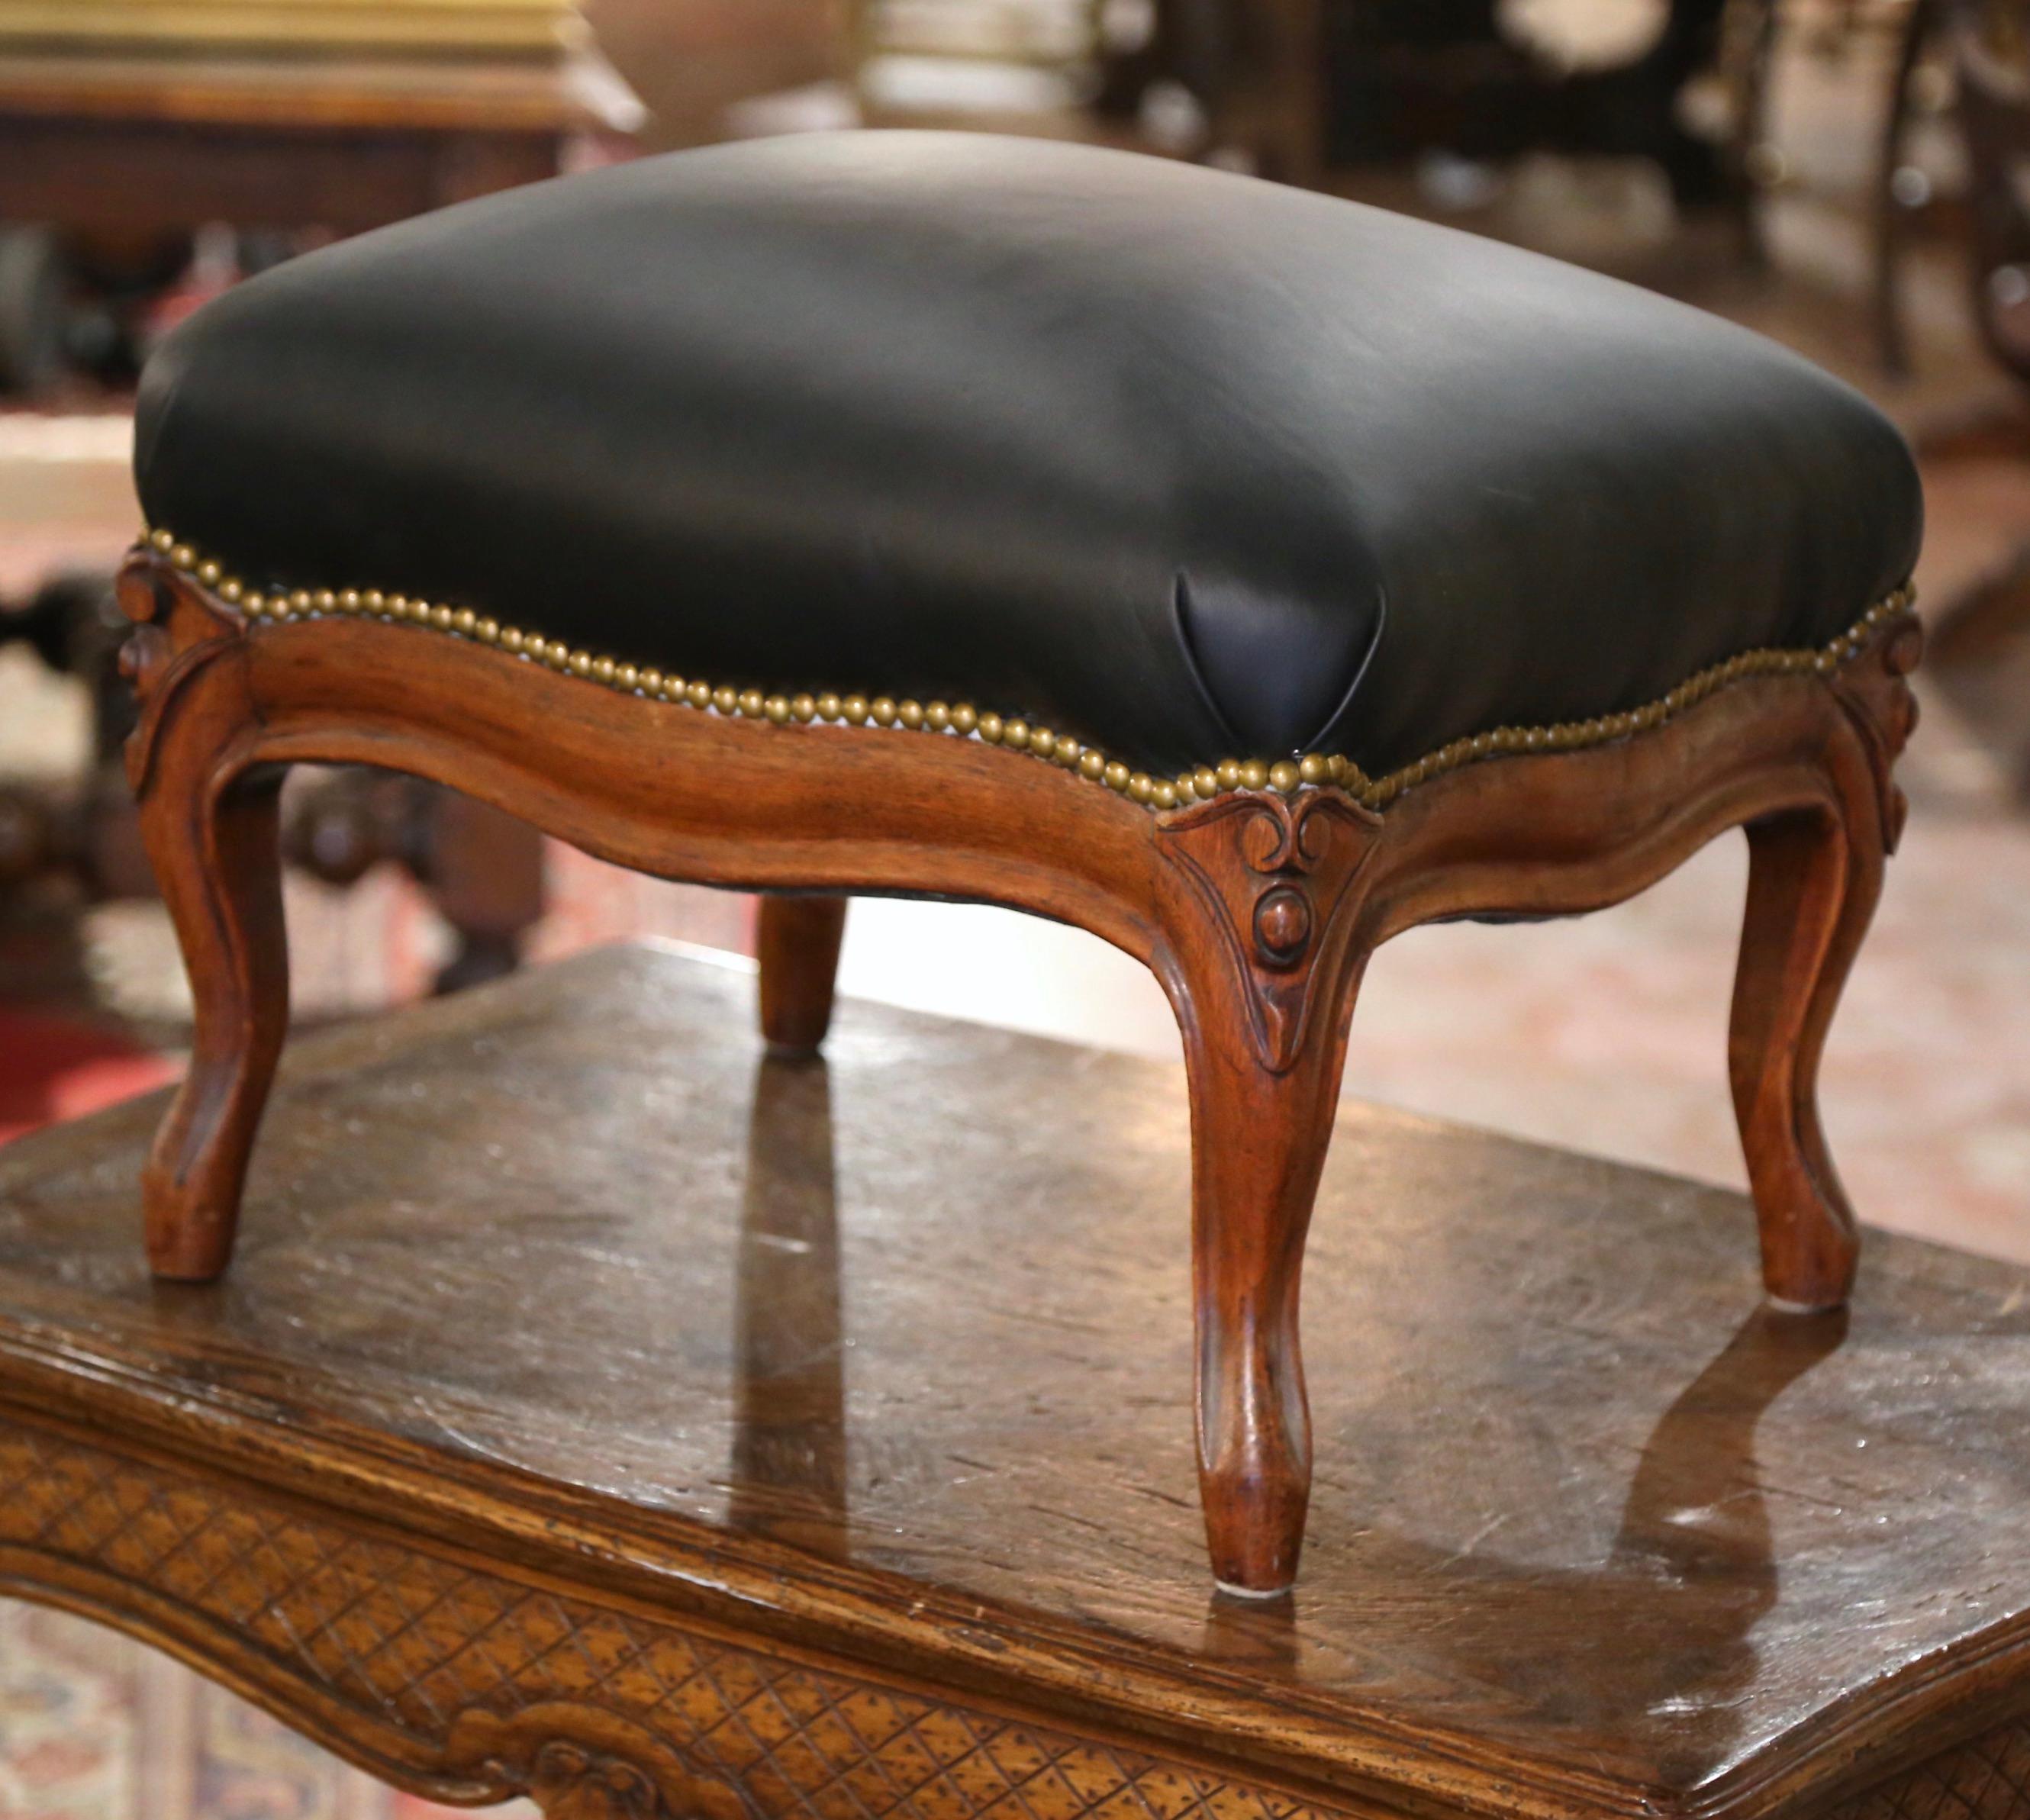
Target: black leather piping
x=1285 y=775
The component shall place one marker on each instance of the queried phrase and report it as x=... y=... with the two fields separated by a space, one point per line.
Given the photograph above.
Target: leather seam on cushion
x=1182 y=618
x=1180 y=623
x=1360 y=670
x=1207 y=782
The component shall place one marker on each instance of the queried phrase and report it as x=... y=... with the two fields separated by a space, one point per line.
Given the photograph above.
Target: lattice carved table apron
x=599 y=1411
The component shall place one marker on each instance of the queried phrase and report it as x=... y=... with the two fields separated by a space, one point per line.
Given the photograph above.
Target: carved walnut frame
x=1256 y=910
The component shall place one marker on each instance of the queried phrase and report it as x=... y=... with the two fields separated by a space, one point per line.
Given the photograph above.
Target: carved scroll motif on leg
x=1814 y=878
x=213 y=838
x=798 y=946
x=1262 y=966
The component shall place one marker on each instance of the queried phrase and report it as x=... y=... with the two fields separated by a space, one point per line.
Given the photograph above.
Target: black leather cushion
x=1181 y=463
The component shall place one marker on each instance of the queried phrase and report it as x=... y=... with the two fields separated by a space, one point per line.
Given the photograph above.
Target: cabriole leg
x=216 y=856
x=212 y=830
x=798 y=945
x=1815 y=875
x=1814 y=878
x=1263 y=963
x=1258 y=1140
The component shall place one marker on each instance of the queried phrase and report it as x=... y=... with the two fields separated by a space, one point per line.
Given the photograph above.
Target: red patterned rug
x=54 y=1069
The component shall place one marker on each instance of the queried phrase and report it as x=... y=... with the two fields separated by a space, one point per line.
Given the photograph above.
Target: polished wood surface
x=797 y=946
x=444 y=94
x=523 y=25
x=1256 y=910
x=587 y=1379
x=125 y=146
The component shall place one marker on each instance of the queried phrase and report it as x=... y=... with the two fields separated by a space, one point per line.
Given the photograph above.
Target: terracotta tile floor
x=1606 y=1034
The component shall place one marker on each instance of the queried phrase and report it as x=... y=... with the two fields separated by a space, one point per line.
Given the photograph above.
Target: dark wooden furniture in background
x=1307 y=88
x=1962 y=67
x=1919 y=89
x=1963 y=72
x=132 y=150
x=1257 y=909
x=1953 y=136
x=135 y=144
x=1989 y=44
x=86 y=829
x=482 y=871
x=116 y=159
x=778 y=1441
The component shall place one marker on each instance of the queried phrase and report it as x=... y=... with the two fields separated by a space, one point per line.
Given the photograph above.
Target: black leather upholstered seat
x=1180 y=463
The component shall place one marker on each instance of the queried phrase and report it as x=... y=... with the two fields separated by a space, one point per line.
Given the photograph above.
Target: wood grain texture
x=307 y=27
x=355 y=92
x=574 y=1343
x=1256 y=910
x=475 y=1686
x=139 y=146
x=798 y=943
x=1986 y=1778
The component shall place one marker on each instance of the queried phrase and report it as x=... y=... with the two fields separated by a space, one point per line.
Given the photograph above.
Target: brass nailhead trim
x=1284 y=774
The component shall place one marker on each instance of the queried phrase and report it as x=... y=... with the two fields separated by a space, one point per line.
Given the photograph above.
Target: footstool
x=1243 y=575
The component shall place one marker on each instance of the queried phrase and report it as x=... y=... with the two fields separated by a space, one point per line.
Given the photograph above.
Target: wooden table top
x=888 y=1363
x=454 y=25
x=301 y=91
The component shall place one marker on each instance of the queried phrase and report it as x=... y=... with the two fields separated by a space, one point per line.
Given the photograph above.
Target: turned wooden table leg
x=798 y=945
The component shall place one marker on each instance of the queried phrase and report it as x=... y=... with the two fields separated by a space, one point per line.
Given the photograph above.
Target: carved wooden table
x=598 y=1410
x=106 y=143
